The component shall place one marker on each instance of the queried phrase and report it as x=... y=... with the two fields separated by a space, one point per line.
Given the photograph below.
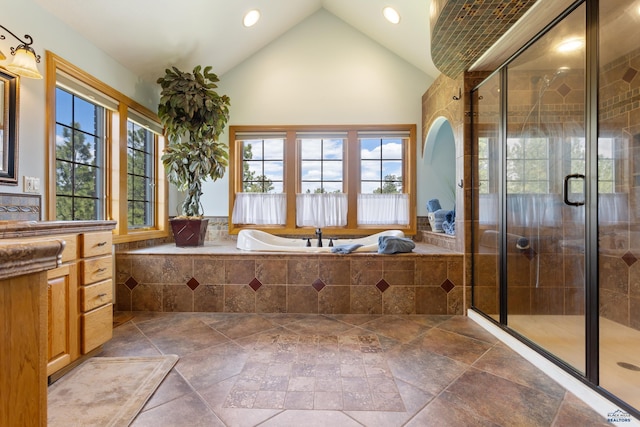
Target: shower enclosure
x=556 y=239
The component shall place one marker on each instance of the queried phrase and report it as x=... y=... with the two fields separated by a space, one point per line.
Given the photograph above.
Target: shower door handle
x=566 y=189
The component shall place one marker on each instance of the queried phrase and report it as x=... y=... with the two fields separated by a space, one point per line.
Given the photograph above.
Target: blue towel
x=436 y=219
x=449 y=228
x=450 y=216
x=393 y=245
x=433 y=205
x=449 y=223
x=345 y=249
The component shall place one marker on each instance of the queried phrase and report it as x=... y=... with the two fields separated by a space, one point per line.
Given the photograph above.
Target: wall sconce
x=25 y=58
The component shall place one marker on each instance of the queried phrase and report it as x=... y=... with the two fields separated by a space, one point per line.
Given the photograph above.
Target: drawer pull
x=101 y=244
x=101 y=270
x=104 y=294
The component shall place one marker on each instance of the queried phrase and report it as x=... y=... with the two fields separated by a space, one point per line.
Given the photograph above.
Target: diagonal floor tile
x=395 y=327
x=455 y=346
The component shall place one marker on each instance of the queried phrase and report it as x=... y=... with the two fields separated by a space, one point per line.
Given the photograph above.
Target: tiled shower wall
x=270 y=283
x=619 y=117
x=545 y=282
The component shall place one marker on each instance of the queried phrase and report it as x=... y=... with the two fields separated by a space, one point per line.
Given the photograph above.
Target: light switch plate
x=31 y=184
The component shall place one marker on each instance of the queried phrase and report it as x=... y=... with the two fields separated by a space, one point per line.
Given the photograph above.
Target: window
x=484 y=175
x=380 y=164
x=105 y=148
x=528 y=165
x=606 y=165
x=321 y=166
x=140 y=175
x=79 y=148
x=351 y=179
x=262 y=164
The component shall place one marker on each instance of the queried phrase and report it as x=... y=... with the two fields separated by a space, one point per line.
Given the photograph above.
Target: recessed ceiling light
x=251 y=17
x=391 y=14
x=570 y=45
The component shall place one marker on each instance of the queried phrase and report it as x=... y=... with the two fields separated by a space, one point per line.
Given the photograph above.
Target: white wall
x=322 y=71
x=25 y=17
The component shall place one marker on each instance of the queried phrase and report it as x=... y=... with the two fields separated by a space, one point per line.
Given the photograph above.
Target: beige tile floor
x=340 y=370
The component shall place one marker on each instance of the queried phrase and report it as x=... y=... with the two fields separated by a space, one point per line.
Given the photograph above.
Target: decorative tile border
x=20 y=207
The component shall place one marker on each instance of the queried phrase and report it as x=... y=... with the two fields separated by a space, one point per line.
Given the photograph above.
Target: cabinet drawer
x=70 y=251
x=97 y=327
x=94 y=244
x=96 y=295
x=96 y=269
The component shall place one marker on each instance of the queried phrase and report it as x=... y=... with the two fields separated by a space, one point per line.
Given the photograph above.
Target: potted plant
x=194 y=116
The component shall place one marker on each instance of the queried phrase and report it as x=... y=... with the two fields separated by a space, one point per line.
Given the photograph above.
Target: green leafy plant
x=194 y=116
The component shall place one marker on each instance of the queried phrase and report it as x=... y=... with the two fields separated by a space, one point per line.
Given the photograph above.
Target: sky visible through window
x=381 y=159
x=322 y=162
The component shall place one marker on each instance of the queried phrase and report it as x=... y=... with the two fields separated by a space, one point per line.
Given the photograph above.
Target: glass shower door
x=619 y=201
x=544 y=188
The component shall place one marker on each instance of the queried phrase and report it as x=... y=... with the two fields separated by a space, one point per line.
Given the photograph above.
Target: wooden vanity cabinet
x=80 y=299
x=96 y=290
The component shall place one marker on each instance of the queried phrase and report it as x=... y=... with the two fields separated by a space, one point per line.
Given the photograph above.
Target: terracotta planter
x=189 y=231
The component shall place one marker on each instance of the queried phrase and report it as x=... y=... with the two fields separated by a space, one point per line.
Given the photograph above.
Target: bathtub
x=256 y=240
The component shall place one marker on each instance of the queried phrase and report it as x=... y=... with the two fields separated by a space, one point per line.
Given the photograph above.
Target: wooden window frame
x=115 y=165
x=351 y=177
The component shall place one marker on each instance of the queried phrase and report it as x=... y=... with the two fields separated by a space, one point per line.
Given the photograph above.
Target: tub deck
x=228 y=247
x=218 y=277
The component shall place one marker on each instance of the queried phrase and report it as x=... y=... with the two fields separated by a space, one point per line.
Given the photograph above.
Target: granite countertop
x=18 y=257
x=15 y=229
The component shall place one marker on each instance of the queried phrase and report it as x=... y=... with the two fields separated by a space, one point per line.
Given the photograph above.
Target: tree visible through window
x=528 y=165
x=381 y=165
x=140 y=176
x=79 y=158
x=262 y=165
x=348 y=169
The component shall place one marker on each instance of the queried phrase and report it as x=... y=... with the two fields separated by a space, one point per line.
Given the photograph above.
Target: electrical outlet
x=31 y=184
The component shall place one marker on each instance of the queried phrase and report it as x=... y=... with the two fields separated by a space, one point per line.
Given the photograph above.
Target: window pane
x=273 y=170
x=84 y=181
x=64 y=148
x=252 y=150
x=381 y=165
x=64 y=178
x=64 y=107
x=273 y=149
x=140 y=170
x=332 y=149
x=79 y=148
x=321 y=164
x=85 y=115
x=84 y=209
x=263 y=165
x=310 y=170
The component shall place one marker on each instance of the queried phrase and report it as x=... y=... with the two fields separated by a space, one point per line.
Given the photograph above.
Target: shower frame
x=591 y=375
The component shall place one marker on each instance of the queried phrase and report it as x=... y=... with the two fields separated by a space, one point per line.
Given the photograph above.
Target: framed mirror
x=8 y=127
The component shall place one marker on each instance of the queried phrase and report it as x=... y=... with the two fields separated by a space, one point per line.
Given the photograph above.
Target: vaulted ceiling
x=149 y=35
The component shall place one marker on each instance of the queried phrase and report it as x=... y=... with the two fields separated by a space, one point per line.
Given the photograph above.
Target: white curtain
x=613 y=208
x=259 y=208
x=383 y=209
x=321 y=209
x=534 y=210
x=488 y=208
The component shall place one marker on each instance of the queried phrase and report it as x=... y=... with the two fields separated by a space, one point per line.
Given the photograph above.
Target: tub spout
x=319 y=236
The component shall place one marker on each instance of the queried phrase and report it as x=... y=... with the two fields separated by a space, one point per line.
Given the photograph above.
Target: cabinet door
x=97 y=327
x=62 y=346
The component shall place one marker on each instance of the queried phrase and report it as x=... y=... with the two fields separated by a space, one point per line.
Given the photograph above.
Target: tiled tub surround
x=220 y=278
